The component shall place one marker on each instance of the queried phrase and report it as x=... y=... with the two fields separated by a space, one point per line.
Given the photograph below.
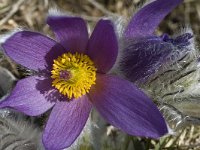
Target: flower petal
x=146 y=20
x=103 y=46
x=70 y=31
x=66 y=122
x=142 y=57
x=181 y=41
x=26 y=98
x=30 y=49
x=126 y=107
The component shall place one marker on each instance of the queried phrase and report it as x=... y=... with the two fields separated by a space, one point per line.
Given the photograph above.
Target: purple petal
x=30 y=49
x=146 y=20
x=181 y=41
x=27 y=98
x=142 y=57
x=103 y=46
x=126 y=107
x=66 y=122
x=70 y=31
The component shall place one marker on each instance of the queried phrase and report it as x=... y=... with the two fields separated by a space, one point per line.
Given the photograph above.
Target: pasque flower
x=71 y=75
x=143 y=51
x=166 y=68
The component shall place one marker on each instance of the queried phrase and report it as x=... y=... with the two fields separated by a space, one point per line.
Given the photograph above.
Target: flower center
x=73 y=74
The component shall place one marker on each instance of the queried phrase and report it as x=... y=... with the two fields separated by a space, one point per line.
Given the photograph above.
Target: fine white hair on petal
x=188 y=29
x=5 y=36
x=135 y=11
x=89 y=29
x=119 y=24
x=147 y=2
x=185 y=29
x=54 y=11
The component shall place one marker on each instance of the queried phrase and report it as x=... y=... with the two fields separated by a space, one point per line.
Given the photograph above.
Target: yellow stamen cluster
x=73 y=74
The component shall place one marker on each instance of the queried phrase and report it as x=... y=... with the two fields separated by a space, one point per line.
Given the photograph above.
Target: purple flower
x=144 y=52
x=71 y=76
x=166 y=68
